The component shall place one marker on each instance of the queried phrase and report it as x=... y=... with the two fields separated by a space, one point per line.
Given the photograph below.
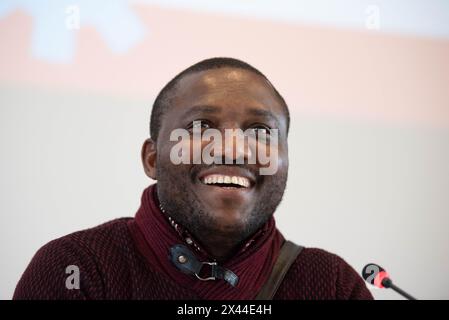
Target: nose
x=234 y=148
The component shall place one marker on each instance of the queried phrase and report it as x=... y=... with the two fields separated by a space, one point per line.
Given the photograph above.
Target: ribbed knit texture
x=116 y=262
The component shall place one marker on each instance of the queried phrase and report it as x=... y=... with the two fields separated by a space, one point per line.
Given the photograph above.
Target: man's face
x=224 y=98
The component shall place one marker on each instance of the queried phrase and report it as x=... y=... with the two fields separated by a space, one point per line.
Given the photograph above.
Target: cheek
x=283 y=156
x=272 y=159
x=186 y=151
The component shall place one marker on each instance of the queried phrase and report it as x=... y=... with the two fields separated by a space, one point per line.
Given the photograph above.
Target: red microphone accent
x=379 y=277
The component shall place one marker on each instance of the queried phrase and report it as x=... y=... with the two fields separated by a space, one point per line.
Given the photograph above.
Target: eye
x=199 y=124
x=261 y=132
x=261 y=129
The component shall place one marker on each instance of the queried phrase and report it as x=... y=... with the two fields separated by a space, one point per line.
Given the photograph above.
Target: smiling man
x=206 y=229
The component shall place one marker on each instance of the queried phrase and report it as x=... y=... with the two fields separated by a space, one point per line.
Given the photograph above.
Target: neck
x=220 y=246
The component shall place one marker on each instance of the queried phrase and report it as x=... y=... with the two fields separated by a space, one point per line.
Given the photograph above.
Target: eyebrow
x=262 y=112
x=211 y=109
x=201 y=109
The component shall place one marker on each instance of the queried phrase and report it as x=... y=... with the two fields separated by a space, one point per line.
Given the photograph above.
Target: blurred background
x=367 y=83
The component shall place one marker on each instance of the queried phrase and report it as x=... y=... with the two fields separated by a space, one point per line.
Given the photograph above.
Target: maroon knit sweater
x=117 y=260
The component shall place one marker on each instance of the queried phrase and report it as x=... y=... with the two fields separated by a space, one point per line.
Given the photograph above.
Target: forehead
x=229 y=88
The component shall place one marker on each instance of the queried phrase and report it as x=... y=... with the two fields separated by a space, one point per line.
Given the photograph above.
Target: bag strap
x=287 y=256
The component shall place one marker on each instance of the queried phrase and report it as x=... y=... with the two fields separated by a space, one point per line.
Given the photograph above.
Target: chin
x=230 y=222
x=229 y=216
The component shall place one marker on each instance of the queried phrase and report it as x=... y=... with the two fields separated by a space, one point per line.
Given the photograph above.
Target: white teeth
x=218 y=178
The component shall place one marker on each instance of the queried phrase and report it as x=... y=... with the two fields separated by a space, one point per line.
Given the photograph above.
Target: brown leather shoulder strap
x=287 y=256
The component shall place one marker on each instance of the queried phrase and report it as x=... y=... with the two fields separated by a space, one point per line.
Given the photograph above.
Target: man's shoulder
x=317 y=273
x=95 y=238
x=108 y=246
x=319 y=255
x=99 y=242
x=317 y=260
x=91 y=251
x=106 y=234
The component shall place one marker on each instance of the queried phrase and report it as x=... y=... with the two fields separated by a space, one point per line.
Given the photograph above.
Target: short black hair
x=163 y=98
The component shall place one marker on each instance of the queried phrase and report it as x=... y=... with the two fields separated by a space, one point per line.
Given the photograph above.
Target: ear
x=149 y=158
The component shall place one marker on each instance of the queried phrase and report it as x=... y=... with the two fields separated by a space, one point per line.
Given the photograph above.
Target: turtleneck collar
x=252 y=263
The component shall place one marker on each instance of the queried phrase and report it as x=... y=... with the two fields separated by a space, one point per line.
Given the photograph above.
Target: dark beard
x=184 y=207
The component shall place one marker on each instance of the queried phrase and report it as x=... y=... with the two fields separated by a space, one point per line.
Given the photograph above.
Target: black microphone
x=377 y=276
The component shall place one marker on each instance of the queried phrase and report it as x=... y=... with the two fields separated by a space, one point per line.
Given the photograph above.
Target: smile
x=221 y=180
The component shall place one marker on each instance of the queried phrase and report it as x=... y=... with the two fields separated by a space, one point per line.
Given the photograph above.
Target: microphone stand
x=388 y=283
